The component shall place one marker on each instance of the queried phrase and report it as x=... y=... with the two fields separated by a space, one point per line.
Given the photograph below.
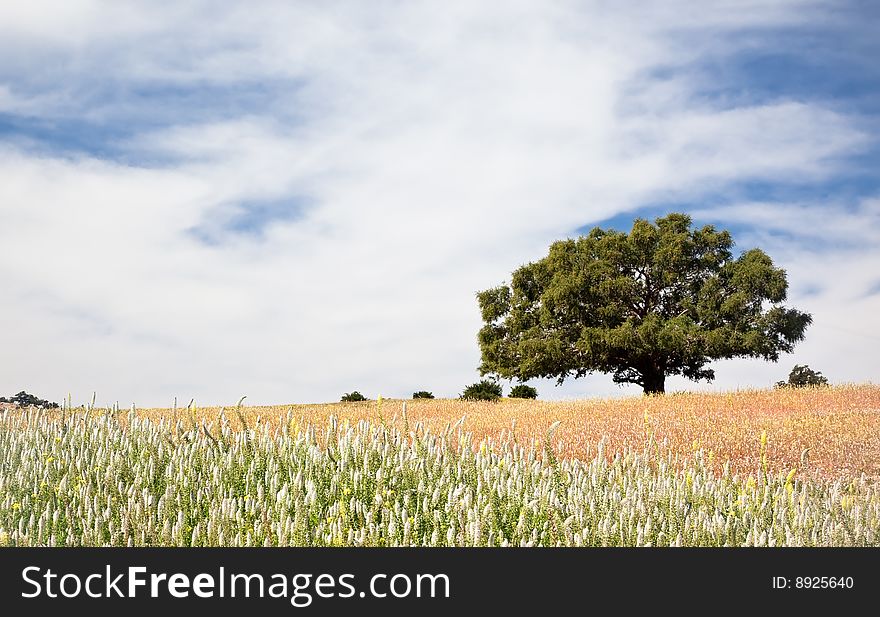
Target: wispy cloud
x=290 y=201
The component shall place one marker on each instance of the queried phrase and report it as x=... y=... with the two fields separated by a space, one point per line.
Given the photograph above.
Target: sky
x=293 y=200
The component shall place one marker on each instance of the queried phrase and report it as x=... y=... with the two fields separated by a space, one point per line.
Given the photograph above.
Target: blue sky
x=292 y=202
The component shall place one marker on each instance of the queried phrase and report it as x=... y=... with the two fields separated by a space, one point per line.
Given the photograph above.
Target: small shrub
x=802 y=376
x=23 y=399
x=353 y=397
x=485 y=390
x=523 y=391
x=422 y=394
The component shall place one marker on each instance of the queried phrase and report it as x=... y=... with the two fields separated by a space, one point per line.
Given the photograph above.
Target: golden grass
x=838 y=427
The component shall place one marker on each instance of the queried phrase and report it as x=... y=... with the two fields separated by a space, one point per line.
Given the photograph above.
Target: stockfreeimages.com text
x=300 y=589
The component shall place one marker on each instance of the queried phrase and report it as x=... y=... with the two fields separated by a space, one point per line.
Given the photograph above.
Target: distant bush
x=422 y=394
x=353 y=397
x=802 y=376
x=23 y=399
x=523 y=391
x=486 y=390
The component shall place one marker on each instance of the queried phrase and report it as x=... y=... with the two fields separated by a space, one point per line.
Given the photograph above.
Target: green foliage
x=423 y=394
x=663 y=299
x=802 y=376
x=23 y=399
x=353 y=397
x=523 y=391
x=485 y=390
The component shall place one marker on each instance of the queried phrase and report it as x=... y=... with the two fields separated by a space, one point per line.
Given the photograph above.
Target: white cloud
x=831 y=253
x=435 y=147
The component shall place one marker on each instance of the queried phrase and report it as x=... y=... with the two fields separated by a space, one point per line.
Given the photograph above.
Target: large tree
x=663 y=299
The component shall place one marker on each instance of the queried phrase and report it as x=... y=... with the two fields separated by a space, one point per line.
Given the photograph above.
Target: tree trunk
x=654 y=383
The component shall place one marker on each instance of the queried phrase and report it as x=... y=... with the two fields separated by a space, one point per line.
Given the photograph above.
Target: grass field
x=839 y=425
x=778 y=468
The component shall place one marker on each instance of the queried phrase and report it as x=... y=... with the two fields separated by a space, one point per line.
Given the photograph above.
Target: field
x=787 y=467
x=840 y=426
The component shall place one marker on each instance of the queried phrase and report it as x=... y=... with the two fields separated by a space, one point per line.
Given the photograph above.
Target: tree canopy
x=802 y=376
x=663 y=299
